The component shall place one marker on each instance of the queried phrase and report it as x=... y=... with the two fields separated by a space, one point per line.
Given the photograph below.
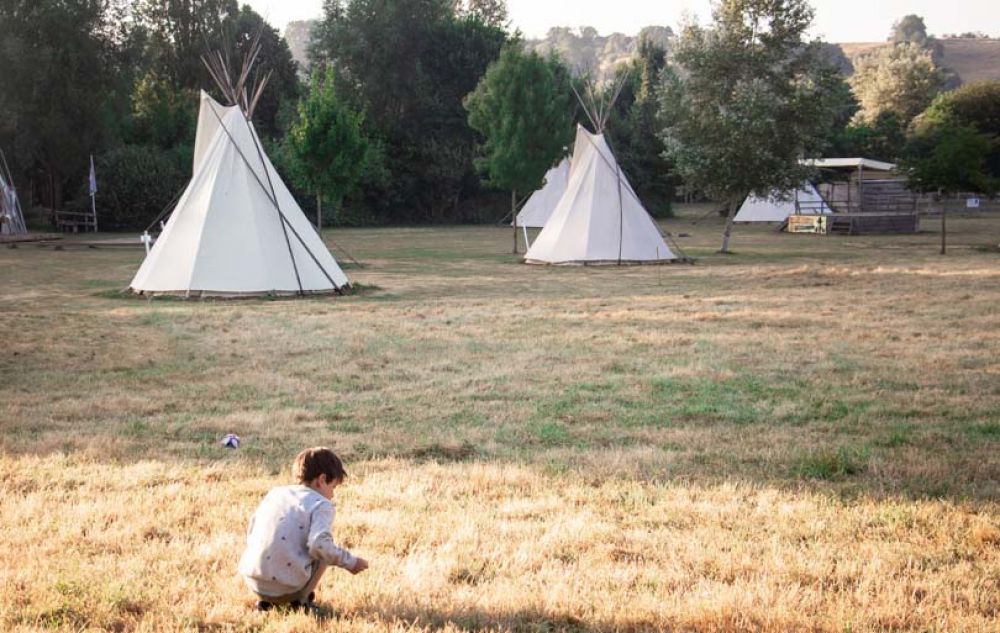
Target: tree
x=275 y=58
x=948 y=157
x=60 y=94
x=902 y=78
x=162 y=115
x=407 y=64
x=182 y=31
x=747 y=100
x=975 y=105
x=326 y=145
x=634 y=129
x=523 y=107
x=882 y=139
x=491 y=12
x=910 y=29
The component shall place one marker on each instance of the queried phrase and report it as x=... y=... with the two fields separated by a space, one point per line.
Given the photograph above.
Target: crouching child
x=290 y=541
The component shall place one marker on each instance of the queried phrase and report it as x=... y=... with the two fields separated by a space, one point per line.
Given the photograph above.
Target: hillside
x=972 y=59
x=585 y=49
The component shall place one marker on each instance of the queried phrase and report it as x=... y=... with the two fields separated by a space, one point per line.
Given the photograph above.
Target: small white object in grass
x=231 y=441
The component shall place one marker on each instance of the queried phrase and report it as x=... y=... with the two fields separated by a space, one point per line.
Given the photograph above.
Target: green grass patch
x=741 y=400
x=550 y=433
x=831 y=463
x=988 y=430
x=897 y=435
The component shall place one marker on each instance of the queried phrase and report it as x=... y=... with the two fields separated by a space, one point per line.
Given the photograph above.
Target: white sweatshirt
x=290 y=529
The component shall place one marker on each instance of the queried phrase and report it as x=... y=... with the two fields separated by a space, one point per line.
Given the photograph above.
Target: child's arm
x=320 y=541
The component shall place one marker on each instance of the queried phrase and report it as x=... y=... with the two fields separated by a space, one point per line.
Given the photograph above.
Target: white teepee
x=599 y=219
x=806 y=200
x=236 y=229
x=539 y=207
x=11 y=218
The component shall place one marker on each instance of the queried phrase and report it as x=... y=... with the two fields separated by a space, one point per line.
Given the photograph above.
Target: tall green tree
x=59 y=94
x=523 y=108
x=750 y=97
x=948 y=157
x=407 y=64
x=491 y=12
x=179 y=33
x=182 y=31
x=634 y=129
x=326 y=144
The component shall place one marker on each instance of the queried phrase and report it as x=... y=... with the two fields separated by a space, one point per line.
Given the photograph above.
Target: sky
x=836 y=20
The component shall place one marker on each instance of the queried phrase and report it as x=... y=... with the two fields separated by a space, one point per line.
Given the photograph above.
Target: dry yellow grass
x=800 y=437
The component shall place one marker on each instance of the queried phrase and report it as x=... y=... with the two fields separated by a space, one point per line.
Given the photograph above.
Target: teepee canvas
x=236 y=229
x=599 y=219
x=539 y=207
x=774 y=209
x=11 y=218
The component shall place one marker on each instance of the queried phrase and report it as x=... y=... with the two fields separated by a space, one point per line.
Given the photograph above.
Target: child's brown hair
x=316 y=461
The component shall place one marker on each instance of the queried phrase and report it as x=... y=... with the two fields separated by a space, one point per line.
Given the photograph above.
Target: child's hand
x=359 y=566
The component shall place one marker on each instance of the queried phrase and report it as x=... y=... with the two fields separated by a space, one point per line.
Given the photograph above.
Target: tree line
x=423 y=111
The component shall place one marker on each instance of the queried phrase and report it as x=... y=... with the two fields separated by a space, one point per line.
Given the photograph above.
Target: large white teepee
x=539 y=207
x=236 y=229
x=599 y=219
x=774 y=209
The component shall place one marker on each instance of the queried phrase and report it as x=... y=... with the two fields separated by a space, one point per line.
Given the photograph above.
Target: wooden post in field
x=944 y=228
x=513 y=212
x=319 y=212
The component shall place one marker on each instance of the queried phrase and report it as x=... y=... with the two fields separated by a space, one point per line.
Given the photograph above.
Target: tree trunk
x=729 y=227
x=513 y=211
x=319 y=211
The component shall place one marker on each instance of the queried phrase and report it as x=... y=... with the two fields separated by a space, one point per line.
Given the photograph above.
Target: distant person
x=290 y=541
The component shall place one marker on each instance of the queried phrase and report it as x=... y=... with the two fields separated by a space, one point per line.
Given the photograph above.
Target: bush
x=135 y=183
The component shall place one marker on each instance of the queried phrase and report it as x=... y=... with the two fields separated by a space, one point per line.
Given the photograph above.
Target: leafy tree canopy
x=633 y=129
x=326 y=144
x=902 y=78
x=949 y=157
x=407 y=64
x=523 y=108
x=975 y=105
x=909 y=29
x=61 y=94
x=749 y=98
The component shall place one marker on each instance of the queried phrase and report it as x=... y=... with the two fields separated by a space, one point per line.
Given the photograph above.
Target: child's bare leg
x=318 y=569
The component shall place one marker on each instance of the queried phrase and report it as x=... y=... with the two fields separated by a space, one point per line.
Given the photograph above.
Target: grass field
x=803 y=436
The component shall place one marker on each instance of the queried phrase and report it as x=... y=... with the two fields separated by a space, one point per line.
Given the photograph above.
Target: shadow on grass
x=126 y=294
x=472 y=619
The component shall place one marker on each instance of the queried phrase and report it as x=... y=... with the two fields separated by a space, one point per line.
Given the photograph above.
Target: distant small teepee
x=599 y=218
x=236 y=230
x=775 y=209
x=11 y=217
x=539 y=207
